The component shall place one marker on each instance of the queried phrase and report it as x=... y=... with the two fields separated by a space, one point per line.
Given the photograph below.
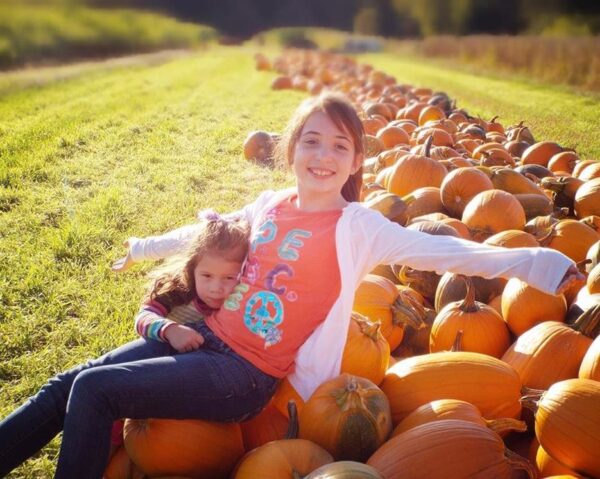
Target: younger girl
x=183 y=295
x=190 y=289
x=310 y=247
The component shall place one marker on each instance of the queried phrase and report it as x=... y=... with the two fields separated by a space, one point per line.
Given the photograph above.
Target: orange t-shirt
x=290 y=282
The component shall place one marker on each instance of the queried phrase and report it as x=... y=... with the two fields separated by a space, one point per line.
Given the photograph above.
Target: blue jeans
x=142 y=379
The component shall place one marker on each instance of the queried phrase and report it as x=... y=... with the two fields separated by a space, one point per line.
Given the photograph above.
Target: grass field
x=37 y=33
x=92 y=154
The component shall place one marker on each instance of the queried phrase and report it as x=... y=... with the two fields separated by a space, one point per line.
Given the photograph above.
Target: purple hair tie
x=209 y=215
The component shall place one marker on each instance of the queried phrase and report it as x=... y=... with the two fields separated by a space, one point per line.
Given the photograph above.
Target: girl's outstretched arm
x=173 y=242
x=543 y=268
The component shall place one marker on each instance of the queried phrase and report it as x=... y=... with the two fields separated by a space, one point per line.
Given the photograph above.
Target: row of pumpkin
x=437 y=370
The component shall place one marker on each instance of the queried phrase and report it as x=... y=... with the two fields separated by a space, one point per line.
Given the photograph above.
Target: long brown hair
x=173 y=284
x=344 y=116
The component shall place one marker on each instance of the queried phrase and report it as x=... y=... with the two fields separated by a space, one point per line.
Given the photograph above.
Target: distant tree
x=460 y=17
x=366 y=21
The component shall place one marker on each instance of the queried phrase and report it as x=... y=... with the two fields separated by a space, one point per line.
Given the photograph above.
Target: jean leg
x=204 y=384
x=30 y=427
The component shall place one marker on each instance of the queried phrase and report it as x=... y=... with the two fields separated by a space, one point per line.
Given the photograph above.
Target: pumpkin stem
x=531 y=397
x=468 y=305
x=296 y=474
x=547 y=238
x=457 y=344
x=407 y=311
x=583 y=263
x=506 y=424
x=367 y=327
x=554 y=184
x=588 y=322
x=293 y=426
x=493 y=120
x=428 y=144
x=519 y=462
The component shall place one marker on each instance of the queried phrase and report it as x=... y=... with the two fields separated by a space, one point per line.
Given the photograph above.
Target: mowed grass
x=88 y=161
x=553 y=113
x=95 y=153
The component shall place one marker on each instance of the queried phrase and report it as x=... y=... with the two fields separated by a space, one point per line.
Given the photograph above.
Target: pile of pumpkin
x=443 y=376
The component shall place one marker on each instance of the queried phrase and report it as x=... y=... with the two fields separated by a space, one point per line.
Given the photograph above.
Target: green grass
x=86 y=162
x=552 y=112
x=42 y=33
x=91 y=154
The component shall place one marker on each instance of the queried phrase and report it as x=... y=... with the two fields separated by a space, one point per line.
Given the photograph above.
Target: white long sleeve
x=163 y=246
x=542 y=268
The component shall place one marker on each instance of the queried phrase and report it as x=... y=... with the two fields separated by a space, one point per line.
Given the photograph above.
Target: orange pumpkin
x=452 y=288
x=587 y=199
x=459 y=226
x=540 y=153
x=414 y=171
x=593 y=280
x=372 y=125
x=261 y=62
x=283 y=459
x=349 y=416
x=570 y=237
x=564 y=161
x=567 y=419
x=454 y=409
x=460 y=186
x=484 y=330
x=523 y=306
x=269 y=425
x=282 y=82
x=590 y=172
x=366 y=353
x=121 y=466
x=450 y=449
x=437 y=136
x=411 y=111
x=492 y=211
x=391 y=136
x=259 y=146
x=513 y=182
x=422 y=201
x=513 y=239
x=183 y=447
x=551 y=351
x=549 y=466
x=496 y=157
x=590 y=365
x=430 y=113
x=486 y=382
x=378 y=298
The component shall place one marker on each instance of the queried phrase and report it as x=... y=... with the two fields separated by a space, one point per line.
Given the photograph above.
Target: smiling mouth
x=321 y=172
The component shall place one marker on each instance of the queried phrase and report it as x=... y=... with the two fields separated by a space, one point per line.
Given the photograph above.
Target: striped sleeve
x=151 y=321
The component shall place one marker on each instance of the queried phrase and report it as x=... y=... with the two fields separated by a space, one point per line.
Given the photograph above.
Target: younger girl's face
x=215 y=279
x=324 y=158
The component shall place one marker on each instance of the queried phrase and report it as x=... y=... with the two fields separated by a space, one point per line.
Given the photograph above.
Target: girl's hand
x=571 y=276
x=183 y=338
x=124 y=263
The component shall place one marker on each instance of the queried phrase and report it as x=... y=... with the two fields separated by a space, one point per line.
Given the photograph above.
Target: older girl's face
x=324 y=158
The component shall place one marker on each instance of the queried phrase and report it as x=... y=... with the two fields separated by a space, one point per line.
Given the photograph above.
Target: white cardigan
x=364 y=239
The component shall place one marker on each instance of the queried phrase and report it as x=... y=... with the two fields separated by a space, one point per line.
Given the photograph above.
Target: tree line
x=392 y=18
